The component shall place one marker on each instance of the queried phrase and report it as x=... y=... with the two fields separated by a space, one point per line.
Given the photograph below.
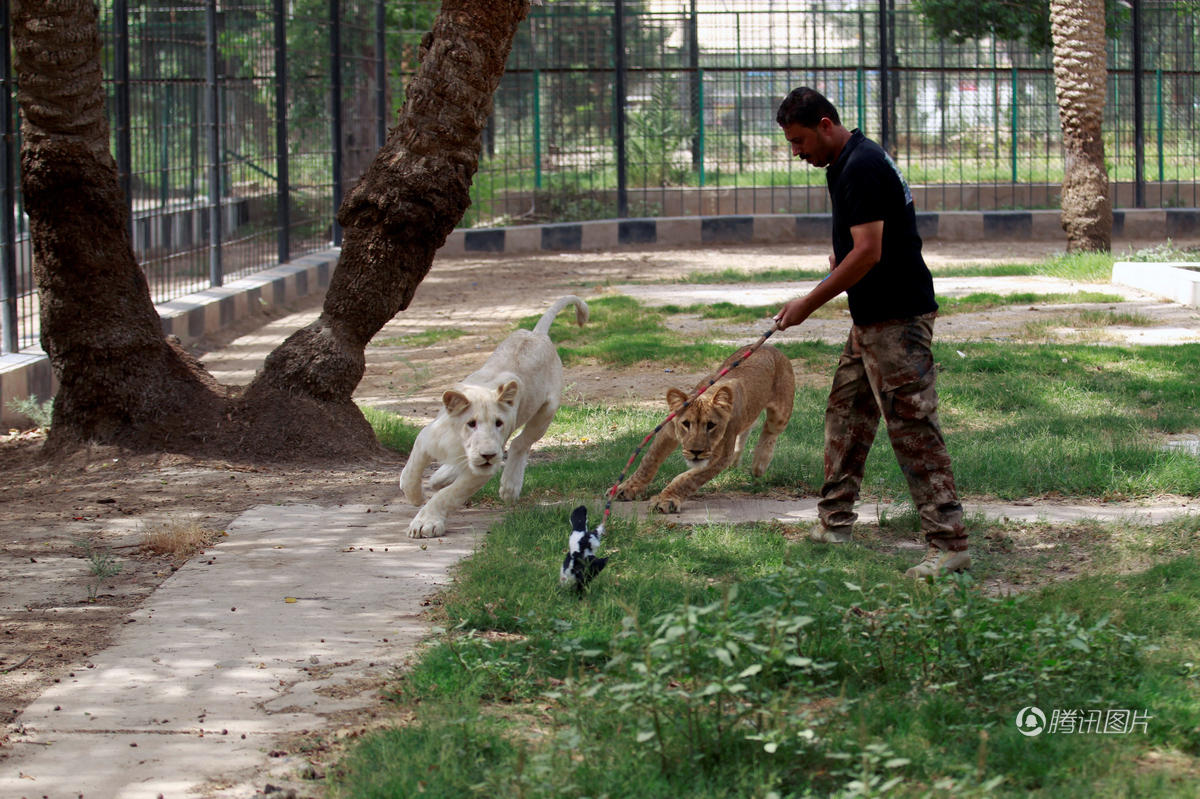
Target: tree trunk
x=402 y=210
x=119 y=378
x=121 y=381
x=1080 y=81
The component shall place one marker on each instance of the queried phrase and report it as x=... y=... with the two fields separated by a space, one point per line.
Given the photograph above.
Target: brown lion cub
x=713 y=429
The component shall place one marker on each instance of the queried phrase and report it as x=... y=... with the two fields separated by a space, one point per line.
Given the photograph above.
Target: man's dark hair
x=805 y=106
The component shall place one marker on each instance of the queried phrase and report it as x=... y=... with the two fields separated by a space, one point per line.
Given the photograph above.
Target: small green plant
x=102 y=564
x=40 y=413
x=867 y=770
x=1166 y=251
x=660 y=132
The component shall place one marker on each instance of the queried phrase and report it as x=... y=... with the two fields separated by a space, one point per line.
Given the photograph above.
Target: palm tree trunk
x=1080 y=81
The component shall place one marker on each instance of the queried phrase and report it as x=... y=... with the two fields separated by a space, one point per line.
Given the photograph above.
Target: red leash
x=613 y=491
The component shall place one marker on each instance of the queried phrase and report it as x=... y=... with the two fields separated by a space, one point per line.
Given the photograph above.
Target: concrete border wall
x=693 y=231
x=190 y=318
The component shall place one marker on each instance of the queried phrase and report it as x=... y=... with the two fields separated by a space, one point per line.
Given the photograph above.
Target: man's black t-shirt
x=865 y=186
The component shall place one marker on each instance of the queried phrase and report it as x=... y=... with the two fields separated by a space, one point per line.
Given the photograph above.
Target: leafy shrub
x=40 y=413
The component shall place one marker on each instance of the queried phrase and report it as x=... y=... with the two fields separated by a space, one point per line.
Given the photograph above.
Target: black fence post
x=619 y=106
x=381 y=109
x=8 y=181
x=121 y=87
x=694 y=95
x=335 y=75
x=884 y=101
x=1139 y=111
x=283 y=210
x=215 y=275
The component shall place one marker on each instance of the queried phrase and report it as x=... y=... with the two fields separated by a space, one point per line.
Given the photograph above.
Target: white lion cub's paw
x=445 y=475
x=510 y=487
x=425 y=525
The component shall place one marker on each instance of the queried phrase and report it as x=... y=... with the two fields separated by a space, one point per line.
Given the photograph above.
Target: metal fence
x=234 y=135
x=238 y=125
x=668 y=108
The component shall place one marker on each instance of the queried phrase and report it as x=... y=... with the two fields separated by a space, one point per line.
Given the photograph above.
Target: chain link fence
x=238 y=125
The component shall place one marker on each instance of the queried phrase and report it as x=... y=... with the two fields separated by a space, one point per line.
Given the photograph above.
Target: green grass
x=1030 y=420
x=424 y=338
x=1088 y=267
x=970 y=303
x=621 y=332
x=720 y=660
x=391 y=431
x=744 y=276
x=1086 y=324
x=986 y=300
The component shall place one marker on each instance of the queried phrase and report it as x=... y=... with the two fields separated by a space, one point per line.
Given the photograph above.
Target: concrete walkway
x=298 y=616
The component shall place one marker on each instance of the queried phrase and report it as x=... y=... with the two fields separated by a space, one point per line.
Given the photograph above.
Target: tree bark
x=119 y=378
x=400 y=213
x=121 y=381
x=1080 y=82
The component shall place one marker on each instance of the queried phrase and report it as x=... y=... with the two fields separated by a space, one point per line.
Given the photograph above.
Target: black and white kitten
x=581 y=563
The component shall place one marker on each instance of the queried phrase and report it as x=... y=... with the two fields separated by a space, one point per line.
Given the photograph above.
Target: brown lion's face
x=700 y=427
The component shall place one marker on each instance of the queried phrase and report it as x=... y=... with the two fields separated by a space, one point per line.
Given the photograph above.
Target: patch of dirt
x=63 y=518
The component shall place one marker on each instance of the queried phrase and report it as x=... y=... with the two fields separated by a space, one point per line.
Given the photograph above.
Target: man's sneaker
x=823 y=535
x=939 y=561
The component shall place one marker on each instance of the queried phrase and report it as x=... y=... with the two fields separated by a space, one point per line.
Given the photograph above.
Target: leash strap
x=612 y=492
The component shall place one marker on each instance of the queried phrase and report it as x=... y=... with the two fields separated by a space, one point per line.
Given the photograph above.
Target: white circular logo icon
x=1031 y=721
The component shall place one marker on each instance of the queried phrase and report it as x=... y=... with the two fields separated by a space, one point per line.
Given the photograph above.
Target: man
x=887 y=367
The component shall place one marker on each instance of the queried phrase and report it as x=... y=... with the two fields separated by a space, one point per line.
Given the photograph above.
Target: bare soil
x=63 y=518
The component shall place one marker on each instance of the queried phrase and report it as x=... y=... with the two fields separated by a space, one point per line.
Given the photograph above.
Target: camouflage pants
x=887 y=369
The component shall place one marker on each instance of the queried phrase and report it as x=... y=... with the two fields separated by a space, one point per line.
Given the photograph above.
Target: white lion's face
x=483 y=420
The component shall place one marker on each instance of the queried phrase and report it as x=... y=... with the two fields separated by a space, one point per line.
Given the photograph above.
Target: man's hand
x=792 y=313
x=796 y=311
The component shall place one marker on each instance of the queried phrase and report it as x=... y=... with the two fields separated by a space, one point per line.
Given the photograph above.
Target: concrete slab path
x=297 y=616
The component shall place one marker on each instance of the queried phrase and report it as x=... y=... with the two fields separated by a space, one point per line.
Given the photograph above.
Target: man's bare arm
x=867 y=250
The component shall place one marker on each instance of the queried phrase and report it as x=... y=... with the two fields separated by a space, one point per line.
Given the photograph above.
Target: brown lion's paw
x=663 y=504
x=627 y=492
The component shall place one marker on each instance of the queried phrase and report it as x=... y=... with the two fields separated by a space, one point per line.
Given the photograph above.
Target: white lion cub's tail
x=581 y=313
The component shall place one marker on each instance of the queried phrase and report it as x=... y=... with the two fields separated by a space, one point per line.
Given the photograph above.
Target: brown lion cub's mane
x=712 y=430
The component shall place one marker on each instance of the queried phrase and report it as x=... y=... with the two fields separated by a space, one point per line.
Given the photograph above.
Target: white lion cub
x=518 y=387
